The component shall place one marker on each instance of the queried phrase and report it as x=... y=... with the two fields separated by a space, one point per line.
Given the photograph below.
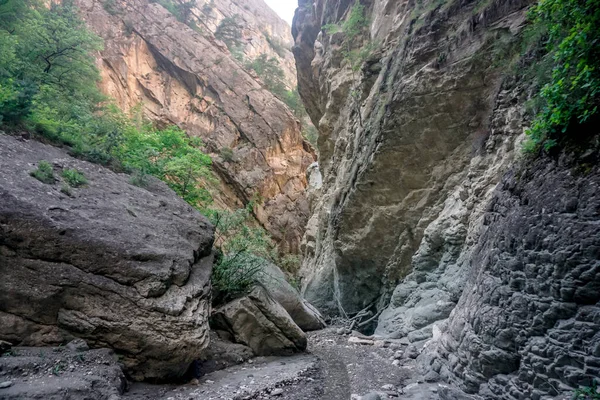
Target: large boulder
x=120 y=266
x=302 y=312
x=260 y=323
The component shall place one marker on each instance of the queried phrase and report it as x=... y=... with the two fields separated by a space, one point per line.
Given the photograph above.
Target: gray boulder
x=111 y=263
x=260 y=323
x=302 y=312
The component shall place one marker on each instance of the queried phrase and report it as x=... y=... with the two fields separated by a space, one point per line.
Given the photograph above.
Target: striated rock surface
x=187 y=77
x=261 y=323
x=120 y=266
x=302 y=312
x=528 y=322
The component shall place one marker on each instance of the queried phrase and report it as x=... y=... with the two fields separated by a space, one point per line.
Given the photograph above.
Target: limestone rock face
x=261 y=323
x=263 y=31
x=117 y=265
x=527 y=324
x=186 y=77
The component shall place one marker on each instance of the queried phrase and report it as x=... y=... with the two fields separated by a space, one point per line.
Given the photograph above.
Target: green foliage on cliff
x=271 y=73
x=181 y=9
x=74 y=178
x=572 y=96
x=44 y=172
x=230 y=32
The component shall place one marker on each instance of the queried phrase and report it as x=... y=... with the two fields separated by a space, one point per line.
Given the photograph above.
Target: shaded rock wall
x=528 y=321
x=188 y=78
x=120 y=266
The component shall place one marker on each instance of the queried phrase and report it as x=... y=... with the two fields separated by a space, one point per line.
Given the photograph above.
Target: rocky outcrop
x=527 y=324
x=120 y=266
x=261 y=323
x=263 y=31
x=186 y=77
x=302 y=312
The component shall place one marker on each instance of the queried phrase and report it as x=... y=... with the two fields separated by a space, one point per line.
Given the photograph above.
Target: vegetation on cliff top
x=572 y=96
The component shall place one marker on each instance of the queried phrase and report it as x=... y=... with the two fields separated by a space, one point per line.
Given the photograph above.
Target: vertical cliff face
x=264 y=32
x=527 y=324
x=428 y=215
x=186 y=77
x=406 y=142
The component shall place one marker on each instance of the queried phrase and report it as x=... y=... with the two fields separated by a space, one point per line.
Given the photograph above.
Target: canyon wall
x=407 y=142
x=180 y=74
x=430 y=217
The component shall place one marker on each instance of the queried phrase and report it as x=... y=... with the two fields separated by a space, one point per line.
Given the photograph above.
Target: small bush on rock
x=74 y=178
x=44 y=173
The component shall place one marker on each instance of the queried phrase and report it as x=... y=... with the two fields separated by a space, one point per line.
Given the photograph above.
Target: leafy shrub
x=572 y=96
x=44 y=173
x=74 y=178
x=235 y=275
x=588 y=392
x=244 y=251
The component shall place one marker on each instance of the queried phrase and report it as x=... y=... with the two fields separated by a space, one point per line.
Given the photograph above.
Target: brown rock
x=190 y=79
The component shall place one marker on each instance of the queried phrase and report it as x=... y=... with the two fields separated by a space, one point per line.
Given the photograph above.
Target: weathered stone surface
x=221 y=354
x=114 y=264
x=527 y=323
x=188 y=78
x=261 y=323
x=402 y=141
x=302 y=312
x=439 y=266
x=57 y=373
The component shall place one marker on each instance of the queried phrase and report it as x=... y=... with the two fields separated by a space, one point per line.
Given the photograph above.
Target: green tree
x=270 y=71
x=229 y=31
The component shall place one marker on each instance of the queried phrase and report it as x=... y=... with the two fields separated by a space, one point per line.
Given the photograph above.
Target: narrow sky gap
x=284 y=8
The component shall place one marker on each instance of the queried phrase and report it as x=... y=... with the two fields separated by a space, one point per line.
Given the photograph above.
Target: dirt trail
x=336 y=367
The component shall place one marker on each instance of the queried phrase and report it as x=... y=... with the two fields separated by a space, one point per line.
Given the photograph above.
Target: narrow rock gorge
x=430 y=216
x=439 y=240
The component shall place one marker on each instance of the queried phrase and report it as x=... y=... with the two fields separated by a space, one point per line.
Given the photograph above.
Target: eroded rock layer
x=120 y=266
x=528 y=321
x=186 y=77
